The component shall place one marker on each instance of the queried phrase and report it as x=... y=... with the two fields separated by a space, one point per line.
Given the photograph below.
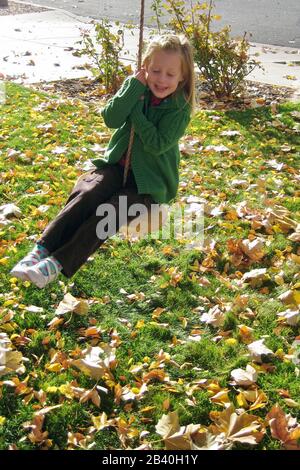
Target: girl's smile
x=164 y=73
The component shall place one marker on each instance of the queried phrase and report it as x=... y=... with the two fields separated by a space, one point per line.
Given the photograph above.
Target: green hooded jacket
x=155 y=152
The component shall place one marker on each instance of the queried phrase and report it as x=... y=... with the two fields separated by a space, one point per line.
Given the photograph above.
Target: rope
x=131 y=137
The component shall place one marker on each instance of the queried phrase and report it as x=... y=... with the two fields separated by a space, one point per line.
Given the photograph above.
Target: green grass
x=35 y=176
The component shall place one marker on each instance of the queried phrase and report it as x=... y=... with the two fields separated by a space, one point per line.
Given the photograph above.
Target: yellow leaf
x=279 y=280
x=294 y=257
x=245 y=333
x=66 y=390
x=296 y=296
x=290 y=77
x=140 y=324
x=2 y=420
x=100 y=422
x=56 y=367
x=221 y=398
x=9 y=327
x=242 y=428
x=241 y=401
x=260 y=402
x=148 y=409
x=157 y=312
x=231 y=341
x=213 y=388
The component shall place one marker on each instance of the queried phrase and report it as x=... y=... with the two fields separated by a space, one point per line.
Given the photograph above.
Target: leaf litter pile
x=154 y=344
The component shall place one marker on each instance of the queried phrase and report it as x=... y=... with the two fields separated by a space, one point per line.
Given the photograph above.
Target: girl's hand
x=141 y=76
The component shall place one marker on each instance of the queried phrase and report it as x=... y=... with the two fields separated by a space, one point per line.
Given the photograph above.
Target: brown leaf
x=37 y=435
x=253 y=249
x=156 y=374
x=278 y=423
x=242 y=428
x=176 y=437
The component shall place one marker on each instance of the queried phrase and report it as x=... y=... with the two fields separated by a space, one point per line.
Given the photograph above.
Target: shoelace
x=45 y=267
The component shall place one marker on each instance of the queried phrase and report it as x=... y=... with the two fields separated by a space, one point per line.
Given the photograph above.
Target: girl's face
x=164 y=72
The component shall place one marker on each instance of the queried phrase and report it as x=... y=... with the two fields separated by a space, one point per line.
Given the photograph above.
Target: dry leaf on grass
x=230 y=133
x=168 y=424
x=279 y=216
x=295 y=237
x=7 y=211
x=10 y=361
x=176 y=437
x=71 y=304
x=244 y=378
x=228 y=428
x=253 y=249
x=284 y=428
x=290 y=316
x=93 y=365
x=290 y=297
x=37 y=435
x=216 y=148
x=221 y=398
x=252 y=399
x=245 y=333
x=259 y=352
x=255 y=277
x=243 y=428
x=214 y=316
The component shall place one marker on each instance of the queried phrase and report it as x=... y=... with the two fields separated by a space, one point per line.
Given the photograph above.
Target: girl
x=158 y=101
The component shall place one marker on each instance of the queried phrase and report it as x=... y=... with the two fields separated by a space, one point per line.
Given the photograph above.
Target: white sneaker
x=35 y=275
x=20 y=269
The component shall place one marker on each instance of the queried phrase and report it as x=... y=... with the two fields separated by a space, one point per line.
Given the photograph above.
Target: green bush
x=104 y=50
x=223 y=61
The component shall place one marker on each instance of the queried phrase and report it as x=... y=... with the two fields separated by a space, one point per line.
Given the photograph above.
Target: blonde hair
x=180 y=44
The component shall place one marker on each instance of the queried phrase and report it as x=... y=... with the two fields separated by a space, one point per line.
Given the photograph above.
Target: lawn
x=157 y=343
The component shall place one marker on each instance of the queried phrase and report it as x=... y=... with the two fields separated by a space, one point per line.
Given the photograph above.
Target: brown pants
x=71 y=237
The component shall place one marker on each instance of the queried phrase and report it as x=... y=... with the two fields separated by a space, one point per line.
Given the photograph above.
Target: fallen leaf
x=259 y=352
x=10 y=360
x=93 y=365
x=244 y=378
x=71 y=304
x=215 y=316
x=7 y=211
x=255 y=277
x=243 y=428
x=283 y=428
x=253 y=249
x=291 y=317
x=168 y=424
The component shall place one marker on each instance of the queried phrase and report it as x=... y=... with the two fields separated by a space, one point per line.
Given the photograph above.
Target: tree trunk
x=3 y=3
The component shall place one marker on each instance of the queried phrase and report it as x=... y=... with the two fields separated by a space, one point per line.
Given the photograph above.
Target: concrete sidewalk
x=37 y=47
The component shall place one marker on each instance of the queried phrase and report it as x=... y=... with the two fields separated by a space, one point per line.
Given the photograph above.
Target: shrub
x=223 y=61
x=104 y=50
